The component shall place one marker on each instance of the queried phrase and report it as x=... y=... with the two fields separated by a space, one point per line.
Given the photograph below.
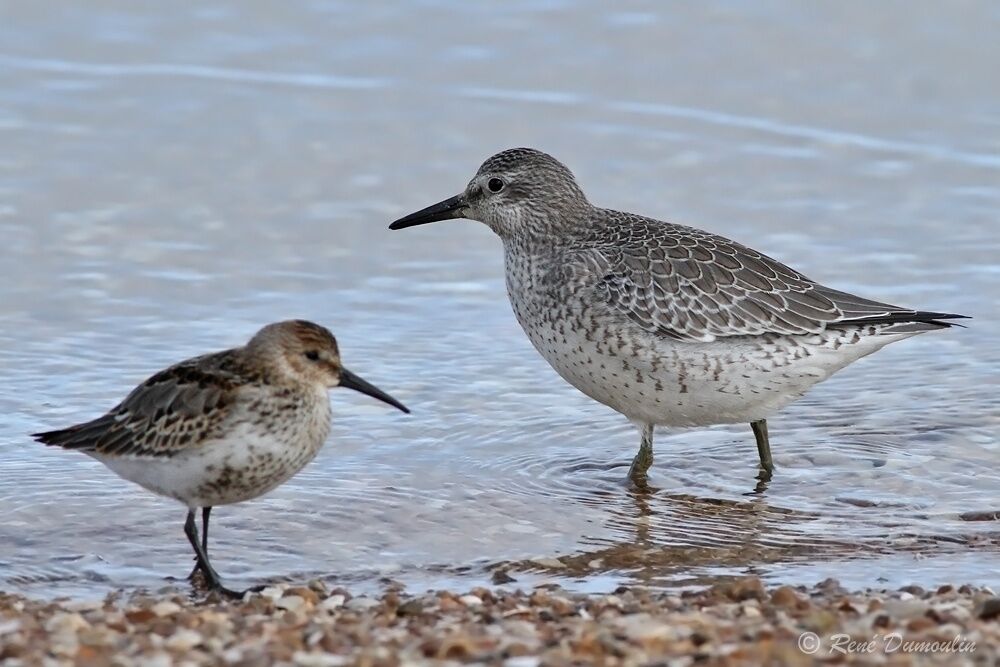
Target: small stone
x=448 y=602
x=272 y=592
x=307 y=594
x=158 y=659
x=830 y=586
x=64 y=629
x=318 y=585
x=471 y=600
x=232 y=655
x=332 y=602
x=66 y=621
x=140 y=616
x=562 y=606
x=362 y=604
x=183 y=640
x=846 y=607
x=785 y=596
x=410 y=608
x=989 y=609
x=84 y=605
x=906 y=608
x=613 y=601
x=643 y=627
x=517 y=611
x=747 y=588
x=920 y=624
x=551 y=563
x=304 y=659
x=290 y=603
x=501 y=577
x=522 y=661
x=457 y=647
x=165 y=608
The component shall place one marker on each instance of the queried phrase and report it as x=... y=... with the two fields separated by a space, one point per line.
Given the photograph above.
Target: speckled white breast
x=256 y=456
x=651 y=378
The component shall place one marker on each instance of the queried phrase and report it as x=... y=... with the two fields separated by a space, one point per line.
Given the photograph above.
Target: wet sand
x=737 y=623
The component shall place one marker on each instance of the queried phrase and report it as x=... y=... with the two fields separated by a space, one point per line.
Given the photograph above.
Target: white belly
x=654 y=379
x=246 y=464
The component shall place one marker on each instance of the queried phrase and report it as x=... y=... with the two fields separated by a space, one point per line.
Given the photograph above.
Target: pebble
x=739 y=624
x=165 y=608
x=10 y=625
x=290 y=603
x=303 y=659
x=522 y=661
x=989 y=610
x=183 y=640
x=332 y=602
x=785 y=596
x=362 y=604
x=272 y=592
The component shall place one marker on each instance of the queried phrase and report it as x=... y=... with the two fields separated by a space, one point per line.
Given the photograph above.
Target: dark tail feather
x=904 y=317
x=859 y=310
x=59 y=438
x=81 y=436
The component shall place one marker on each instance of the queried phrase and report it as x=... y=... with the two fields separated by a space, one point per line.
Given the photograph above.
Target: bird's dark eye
x=312 y=355
x=495 y=185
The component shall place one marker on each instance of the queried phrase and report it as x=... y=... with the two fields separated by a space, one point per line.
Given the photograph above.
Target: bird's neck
x=543 y=235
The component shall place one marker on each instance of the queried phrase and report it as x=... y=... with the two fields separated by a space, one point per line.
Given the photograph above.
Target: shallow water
x=171 y=179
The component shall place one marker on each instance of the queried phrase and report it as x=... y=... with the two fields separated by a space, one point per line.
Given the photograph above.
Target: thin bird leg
x=644 y=459
x=205 y=511
x=763 y=449
x=211 y=576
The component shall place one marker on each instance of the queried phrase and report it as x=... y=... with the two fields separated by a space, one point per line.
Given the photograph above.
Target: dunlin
x=669 y=325
x=224 y=427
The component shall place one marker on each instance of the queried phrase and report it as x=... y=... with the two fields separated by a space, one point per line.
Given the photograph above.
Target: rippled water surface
x=171 y=179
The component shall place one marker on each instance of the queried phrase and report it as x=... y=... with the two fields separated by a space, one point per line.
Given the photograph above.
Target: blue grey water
x=173 y=177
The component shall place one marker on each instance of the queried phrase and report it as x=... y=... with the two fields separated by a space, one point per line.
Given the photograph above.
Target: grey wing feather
x=172 y=411
x=691 y=285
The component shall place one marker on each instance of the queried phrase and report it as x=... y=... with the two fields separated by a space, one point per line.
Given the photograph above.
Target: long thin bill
x=453 y=207
x=352 y=381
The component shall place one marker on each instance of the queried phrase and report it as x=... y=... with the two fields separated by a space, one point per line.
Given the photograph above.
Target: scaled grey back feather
x=692 y=285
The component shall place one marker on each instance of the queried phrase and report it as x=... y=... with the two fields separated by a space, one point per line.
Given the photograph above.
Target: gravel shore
x=737 y=623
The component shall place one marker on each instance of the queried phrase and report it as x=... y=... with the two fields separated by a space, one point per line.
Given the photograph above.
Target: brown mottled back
x=189 y=403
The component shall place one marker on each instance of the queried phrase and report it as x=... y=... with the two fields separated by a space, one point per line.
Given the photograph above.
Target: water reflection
x=679 y=540
x=172 y=179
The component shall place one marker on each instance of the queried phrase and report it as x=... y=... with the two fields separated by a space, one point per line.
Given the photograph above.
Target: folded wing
x=691 y=285
x=174 y=410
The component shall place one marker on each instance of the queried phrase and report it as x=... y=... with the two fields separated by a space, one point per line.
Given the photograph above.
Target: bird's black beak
x=455 y=207
x=352 y=381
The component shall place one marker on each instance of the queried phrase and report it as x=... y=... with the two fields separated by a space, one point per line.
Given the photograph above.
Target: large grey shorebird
x=224 y=427
x=667 y=324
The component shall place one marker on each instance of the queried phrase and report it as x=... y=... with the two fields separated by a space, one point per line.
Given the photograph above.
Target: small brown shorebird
x=669 y=325
x=224 y=427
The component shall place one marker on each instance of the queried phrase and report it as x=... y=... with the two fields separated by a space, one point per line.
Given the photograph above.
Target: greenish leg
x=763 y=448
x=644 y=459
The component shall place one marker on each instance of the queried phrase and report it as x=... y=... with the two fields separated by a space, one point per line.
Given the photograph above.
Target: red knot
x=667 y=324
